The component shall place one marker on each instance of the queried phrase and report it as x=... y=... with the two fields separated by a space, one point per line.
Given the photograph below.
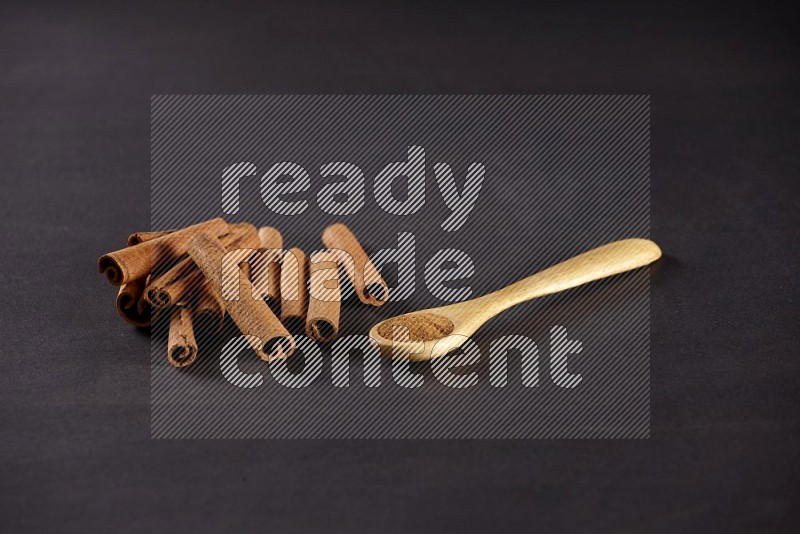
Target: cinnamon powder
x=420 y=326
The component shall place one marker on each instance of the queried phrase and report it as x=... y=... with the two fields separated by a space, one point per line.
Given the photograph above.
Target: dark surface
x=75 y=449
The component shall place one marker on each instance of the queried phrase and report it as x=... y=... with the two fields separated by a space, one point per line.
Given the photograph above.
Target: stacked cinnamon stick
x=195 y=276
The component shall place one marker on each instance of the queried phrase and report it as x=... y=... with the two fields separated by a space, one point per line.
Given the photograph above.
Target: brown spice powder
x=421 y=326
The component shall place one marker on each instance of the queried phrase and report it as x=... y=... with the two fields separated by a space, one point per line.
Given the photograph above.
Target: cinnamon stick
x=181 y=345
x=294 y=289
x=367 y=281
x=131 y=304
x=265 y=269
x=254 y=318
x=138 y=261
x=325 y=300
x=174 y=284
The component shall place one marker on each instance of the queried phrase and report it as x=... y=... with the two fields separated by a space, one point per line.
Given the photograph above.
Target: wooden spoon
x=452 y=324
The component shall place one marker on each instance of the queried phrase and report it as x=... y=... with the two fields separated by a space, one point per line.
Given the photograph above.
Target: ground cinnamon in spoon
x=421 y=326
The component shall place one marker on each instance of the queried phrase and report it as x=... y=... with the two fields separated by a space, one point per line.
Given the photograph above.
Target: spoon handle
x=608 y=260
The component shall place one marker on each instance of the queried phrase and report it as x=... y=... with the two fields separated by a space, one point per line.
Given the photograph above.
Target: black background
x=75 y=449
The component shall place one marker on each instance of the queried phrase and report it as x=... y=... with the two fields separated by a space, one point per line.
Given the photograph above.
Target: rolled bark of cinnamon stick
x=265 y=269
x=131 y=304
x=138 y=261
x=140 y=237
x=253 y=317
x=184 y=278
x=325 y=298
x=294 y=289
x=369 y=285
x=181 y=344
x=129 y=299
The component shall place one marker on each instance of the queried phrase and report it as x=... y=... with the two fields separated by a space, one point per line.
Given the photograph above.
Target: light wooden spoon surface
x=464 y=318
